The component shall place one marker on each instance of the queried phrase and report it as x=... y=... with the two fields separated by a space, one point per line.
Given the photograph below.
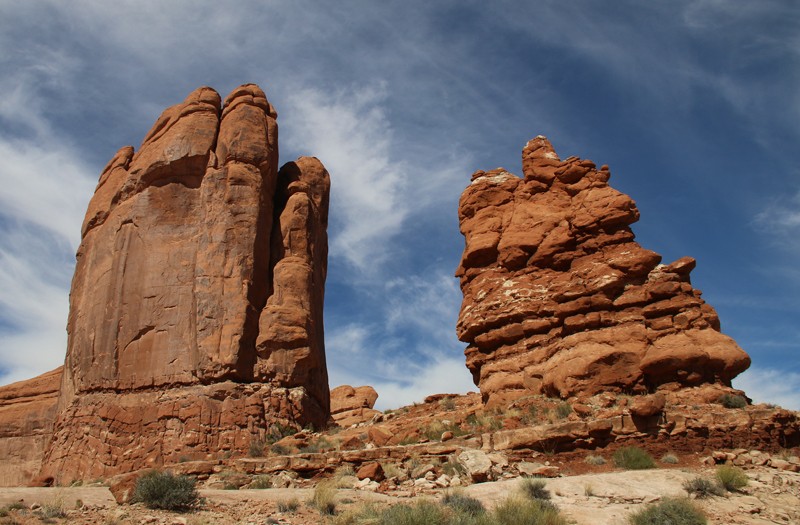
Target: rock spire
x=195 y=318
x=560 y=300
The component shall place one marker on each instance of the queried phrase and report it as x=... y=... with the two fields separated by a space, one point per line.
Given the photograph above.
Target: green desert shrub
x=731 y=401
x=534 y=488
x=730 y=477
x=324 y=499
x=703 y=487
x=669 y=512
x=563 y=410
x=462 y=503
x=256 y=449
x=594 y=459
x=633 y=458
x=669 y=458
x=516 y=511
x=288 y=505
x=163 y=490
x=261 y=482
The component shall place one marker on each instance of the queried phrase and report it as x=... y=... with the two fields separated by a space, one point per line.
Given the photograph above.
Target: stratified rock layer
x=353 y=405
x=560 y=300
x=27 y=411
x=196 y=306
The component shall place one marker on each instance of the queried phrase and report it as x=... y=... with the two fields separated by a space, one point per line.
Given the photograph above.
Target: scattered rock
x=477 y=465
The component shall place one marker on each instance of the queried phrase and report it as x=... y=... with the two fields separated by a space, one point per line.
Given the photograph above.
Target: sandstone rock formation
x=27 y=412
x=196 y=307
x=560 y=300
x=353 y=405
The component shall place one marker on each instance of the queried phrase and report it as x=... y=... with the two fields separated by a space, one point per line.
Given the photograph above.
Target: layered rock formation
x=196 y=307
x=560 y=300
x=27 y=411
x=353 y=405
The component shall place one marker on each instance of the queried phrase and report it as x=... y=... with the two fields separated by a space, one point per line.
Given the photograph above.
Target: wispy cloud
x=352 y=137
x=780 y=221
x=765 y=385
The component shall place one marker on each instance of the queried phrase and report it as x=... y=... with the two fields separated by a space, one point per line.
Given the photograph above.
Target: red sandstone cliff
x=27 y=411
x=560 y=300
x=196 y=307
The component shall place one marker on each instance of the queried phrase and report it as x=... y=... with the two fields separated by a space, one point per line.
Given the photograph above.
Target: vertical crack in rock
x=195 y=318
x=560 y=300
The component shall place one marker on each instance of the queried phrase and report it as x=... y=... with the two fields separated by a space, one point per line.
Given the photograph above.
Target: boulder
x=559 y=300
x=373 y=471
x=345 y=397
x=645 y=406
x=477 y=465
x=197 y=298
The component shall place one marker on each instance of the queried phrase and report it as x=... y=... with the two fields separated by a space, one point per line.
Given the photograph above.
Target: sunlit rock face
x=560 y=300
x=196 y=307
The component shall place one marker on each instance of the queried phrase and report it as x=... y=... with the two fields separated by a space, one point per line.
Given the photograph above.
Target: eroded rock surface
x=560 y=300
x=353 y=405
x=27 y=412
x=196 y=306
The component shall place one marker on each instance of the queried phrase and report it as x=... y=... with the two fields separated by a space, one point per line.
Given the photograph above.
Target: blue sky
x=695 y=105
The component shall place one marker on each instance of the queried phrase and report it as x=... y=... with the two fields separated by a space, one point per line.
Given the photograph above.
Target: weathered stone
x=560 y=300
x=645 y=406
x=373 y=471
x=197 y=297
x=27 y=413
x=345 y=397
x=477 y=465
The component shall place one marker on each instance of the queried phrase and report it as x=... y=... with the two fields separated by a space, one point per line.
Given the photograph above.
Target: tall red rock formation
x=560 y=300
x=27 y=411
x=196 y=307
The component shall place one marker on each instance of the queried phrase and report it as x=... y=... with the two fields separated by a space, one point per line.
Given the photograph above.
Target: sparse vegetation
x=534 y=488
x=163 y=490
x=318 y=445
x=703 y=488
x=594 y=459
x=324 y=499
x=563 y=410
x=390 y=470
x=462 y=503
x=669 y=458
x=448 y=403
x=261 y=482
x=633 y=458
x=279 y=450
x=588 y=490
x=731 y=478
x=289 y=505
x=256 y=449
x=452 y=467
x=731 y=401
x=513 y=511
x=669 y=511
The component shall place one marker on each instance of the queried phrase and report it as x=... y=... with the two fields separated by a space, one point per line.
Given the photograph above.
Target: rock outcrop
x=560 y=300
x=196 y=307
x=353 y=405
x=27 y=412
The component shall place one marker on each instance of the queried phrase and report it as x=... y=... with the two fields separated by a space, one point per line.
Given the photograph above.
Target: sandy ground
x=591 y=499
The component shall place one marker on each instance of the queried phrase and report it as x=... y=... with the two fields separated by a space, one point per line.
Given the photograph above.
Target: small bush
x=534 y=488
x=163 y=490
x=669 y=512
x=731 y=401
x=669 y=458
x=290 y=505
x=452 y=467
x=732 y=478
x=324 y=499
x=515 y=511
x=703 y=488
x=448 y=403
x=462 y=503
x=563 y=410
x=633 y=458
x=256 y=449
x=279 y=450
x=588 y=490
x=261 y=482
x=594 y=459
